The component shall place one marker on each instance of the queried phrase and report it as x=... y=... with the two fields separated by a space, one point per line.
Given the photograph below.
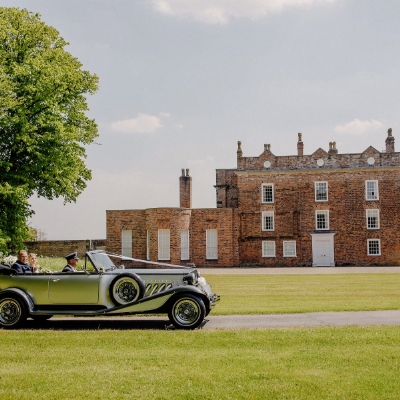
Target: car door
x=74 y=288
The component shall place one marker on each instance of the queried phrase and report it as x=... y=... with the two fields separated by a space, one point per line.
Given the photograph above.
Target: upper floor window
x=374 y=247
x=322 y=219
x=212 y=244
x=372 y=219
x=268 y=221
x=268 y=248
x=289 y=248
x=163 y=244
x=267 y=192
x=321 y=191
x=371 y=190
x=126 y=239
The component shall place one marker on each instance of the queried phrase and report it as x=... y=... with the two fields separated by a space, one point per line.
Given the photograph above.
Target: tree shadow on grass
x=119 y=324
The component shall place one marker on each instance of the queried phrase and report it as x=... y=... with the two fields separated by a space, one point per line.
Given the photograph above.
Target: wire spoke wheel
x=126 y=288
x=11 y=312
x=187 y=312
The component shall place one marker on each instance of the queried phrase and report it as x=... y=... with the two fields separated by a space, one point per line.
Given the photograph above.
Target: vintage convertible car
x=102 y=288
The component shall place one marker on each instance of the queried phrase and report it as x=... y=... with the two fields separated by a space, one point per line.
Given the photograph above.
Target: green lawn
x=318 y=363
x=272 y=294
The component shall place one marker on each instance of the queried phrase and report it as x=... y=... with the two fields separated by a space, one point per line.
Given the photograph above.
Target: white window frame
x=126 y=242
x=379 y=246
x=267 y=214
x=322 y=212
x=375 y=196
x=147 y=245
x=268 y=248
x=164 y=244
x=185 y=245
x=287 y=251
x=316 y=184
x=263 y=200
x=212 y=244
x=371 y=213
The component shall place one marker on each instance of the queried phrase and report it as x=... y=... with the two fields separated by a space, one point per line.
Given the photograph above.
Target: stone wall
x=61 y=248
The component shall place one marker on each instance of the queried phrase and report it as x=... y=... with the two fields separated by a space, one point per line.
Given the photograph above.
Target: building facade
x=323 y=209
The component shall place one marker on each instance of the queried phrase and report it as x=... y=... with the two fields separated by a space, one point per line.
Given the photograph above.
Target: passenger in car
x=21 y=265
x=72 y=262
x=32 y=262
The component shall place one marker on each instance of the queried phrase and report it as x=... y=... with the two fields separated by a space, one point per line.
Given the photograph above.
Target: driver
x=72 y=262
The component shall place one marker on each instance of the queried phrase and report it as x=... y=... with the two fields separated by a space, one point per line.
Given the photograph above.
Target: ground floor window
x=185 y=244
x=163 y=244
x=212 y=244
x=374 y=247
x=268 y=248
x=126 y=243
x=289 y=248
x=148 y=245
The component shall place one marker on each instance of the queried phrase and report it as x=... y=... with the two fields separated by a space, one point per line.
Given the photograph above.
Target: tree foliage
x=43 y=126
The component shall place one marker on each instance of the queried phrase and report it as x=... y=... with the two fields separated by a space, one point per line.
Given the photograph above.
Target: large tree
x=43 y=126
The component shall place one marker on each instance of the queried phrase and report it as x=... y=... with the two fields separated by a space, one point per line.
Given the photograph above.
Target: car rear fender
x=21 y=294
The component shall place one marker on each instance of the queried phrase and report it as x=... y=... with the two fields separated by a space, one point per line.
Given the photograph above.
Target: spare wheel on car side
x=126 y=288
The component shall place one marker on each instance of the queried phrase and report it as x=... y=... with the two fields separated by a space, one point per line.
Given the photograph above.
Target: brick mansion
x=322 y=209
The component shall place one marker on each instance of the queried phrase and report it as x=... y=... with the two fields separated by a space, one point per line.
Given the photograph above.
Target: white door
x=322 y=248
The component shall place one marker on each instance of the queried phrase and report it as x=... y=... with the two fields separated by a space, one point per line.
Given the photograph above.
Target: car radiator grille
x=154 y=288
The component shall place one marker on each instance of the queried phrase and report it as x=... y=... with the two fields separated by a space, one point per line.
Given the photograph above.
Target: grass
x=318 y=363
x=272 y=294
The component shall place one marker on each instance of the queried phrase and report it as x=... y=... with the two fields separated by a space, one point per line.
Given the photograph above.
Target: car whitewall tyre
x=12 y=312
x=187 y=311
x=126 y=288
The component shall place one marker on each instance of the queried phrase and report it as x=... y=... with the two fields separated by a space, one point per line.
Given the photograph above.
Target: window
x=321 y=191
x=374 y=247
x=289 y=248
x=185 y=245
x=322 y=219
x=212 y=244
x=371 y=190
x=267 y=192
x=372 y=219
x=163 y=244
x=268 y=221
x=126 y=240
x=268 y=248
x=148 y=245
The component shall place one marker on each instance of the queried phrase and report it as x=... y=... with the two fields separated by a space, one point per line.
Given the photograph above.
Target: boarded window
x=126 y=243
x=212 y=244
x=185 y=244
x=163 y=244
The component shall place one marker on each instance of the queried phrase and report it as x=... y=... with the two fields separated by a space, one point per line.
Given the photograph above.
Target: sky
x=181 y=82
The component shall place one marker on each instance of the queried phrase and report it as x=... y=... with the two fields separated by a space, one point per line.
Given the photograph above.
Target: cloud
x=179 y=126
x=144 y=123
x=165 y=114
x=358 y=127
x=222 y=11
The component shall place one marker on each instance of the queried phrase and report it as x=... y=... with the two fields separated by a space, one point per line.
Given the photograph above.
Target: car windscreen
x=102 y=261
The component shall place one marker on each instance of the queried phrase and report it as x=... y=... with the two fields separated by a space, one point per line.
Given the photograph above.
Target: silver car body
x=90 y=291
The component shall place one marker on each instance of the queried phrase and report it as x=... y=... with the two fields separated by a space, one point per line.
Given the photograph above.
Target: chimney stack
x=185 y=189
x=332 y=148
x=267 y=147
x=389 y=142
x=300 y=145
